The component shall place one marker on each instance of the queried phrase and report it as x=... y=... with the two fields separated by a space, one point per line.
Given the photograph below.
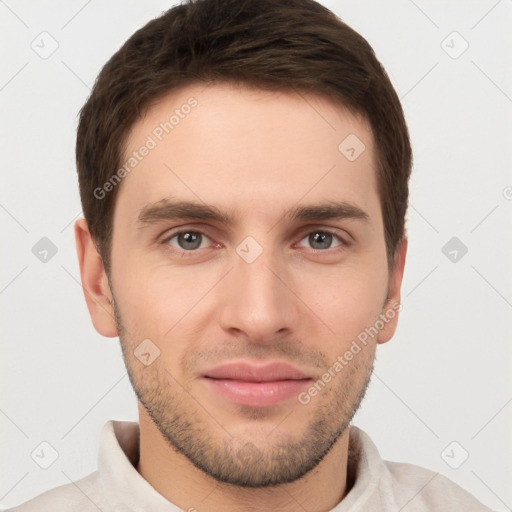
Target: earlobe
x=94 y=282
x=393 y=306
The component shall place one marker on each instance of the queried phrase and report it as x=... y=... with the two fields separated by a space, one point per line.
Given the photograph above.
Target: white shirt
x=379 y=485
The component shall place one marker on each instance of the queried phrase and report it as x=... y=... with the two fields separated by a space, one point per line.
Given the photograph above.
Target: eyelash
x=193 y=252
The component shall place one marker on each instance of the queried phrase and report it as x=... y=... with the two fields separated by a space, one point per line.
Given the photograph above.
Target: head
x=278 y=122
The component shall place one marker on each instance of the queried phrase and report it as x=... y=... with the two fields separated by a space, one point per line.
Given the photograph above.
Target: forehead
x=244 y=148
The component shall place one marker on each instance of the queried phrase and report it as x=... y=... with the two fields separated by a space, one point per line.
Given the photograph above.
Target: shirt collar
x=365 y=469
x=121 y=484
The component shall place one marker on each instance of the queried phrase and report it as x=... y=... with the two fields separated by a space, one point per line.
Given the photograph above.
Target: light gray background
x=444 y=377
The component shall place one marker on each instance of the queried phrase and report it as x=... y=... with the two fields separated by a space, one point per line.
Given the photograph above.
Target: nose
x=257 y=299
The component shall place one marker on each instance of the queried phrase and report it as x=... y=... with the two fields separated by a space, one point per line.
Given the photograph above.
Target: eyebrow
x=167 y=209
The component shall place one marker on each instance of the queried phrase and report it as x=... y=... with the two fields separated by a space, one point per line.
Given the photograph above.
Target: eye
x=322 y=240
x=187 y=240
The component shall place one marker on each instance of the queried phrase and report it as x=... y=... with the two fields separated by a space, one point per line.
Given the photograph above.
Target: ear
x=393 y=306
x=94 y=282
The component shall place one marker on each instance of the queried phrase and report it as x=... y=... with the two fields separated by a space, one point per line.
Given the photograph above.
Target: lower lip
x=257 y=394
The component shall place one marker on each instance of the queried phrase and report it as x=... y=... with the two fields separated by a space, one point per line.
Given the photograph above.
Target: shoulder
x=424 y=490
x=79 y=496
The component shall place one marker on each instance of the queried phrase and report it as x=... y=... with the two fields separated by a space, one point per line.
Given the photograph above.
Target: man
x=243 y=169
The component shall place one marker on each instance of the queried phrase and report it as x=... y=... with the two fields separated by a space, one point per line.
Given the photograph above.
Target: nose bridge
x=256 y=300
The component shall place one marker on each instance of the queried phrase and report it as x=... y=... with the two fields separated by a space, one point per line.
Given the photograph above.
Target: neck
x=184 y=485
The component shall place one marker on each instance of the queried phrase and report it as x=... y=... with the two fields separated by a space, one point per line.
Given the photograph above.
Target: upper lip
x=249 y=372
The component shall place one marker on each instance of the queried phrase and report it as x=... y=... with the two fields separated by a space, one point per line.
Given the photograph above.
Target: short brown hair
x=284 y=45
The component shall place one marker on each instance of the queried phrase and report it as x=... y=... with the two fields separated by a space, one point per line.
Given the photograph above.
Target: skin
x=253 y=154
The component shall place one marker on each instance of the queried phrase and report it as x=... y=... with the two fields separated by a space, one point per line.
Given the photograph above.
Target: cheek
x=347 y=300
x=157 y=302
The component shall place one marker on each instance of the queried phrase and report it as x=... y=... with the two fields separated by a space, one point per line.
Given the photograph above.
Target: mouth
x=253 y=385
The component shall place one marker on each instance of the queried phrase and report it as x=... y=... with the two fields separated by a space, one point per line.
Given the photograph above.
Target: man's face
x=258 y=289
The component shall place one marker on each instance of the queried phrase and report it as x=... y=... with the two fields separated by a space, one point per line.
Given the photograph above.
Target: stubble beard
x=194 y=430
